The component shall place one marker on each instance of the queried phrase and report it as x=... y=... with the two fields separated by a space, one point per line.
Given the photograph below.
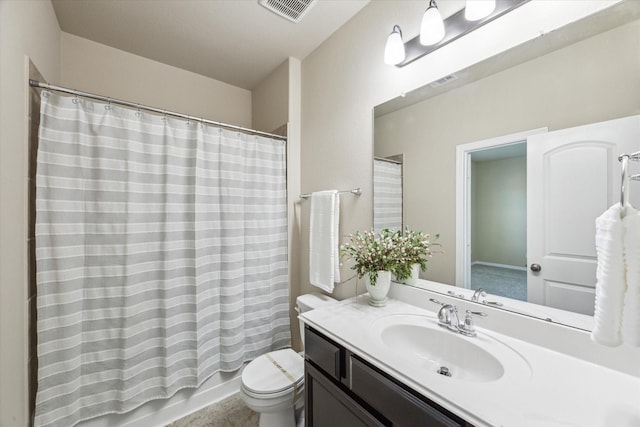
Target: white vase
x=378 y=291
x=411 y=280
x=415 y=275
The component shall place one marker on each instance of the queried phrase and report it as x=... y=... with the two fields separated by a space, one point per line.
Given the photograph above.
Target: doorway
x=491 y=219
x=498 y=216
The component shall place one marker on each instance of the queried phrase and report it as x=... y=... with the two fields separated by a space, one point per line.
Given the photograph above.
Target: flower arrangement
x=390 y=250
x=414 y=247
x=371 y=253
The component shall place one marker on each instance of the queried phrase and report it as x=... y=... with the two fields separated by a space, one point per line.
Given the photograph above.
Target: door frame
x=463 y=196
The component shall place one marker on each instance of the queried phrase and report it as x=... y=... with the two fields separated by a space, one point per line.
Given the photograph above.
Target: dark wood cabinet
x=342 y=389
x=327 y=405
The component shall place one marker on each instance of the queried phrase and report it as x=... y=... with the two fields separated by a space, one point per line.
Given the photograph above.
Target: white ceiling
x=235 y=41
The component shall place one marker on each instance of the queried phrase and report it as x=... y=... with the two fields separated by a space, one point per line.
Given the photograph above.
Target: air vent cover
x=293 y=10
x=444 y=80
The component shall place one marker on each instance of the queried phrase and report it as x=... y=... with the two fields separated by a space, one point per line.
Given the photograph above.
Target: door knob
x=535 y=267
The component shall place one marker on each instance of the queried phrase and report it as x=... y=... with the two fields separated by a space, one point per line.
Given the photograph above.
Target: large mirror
x=463 y=143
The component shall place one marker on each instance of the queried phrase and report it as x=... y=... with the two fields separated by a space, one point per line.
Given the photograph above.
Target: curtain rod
x=37 y=84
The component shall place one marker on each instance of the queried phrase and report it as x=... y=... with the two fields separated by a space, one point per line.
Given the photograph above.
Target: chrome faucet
x=479 y=293
x=448 y=318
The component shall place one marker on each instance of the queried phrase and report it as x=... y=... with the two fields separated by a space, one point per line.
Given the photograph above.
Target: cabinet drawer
x=322 y=352
x=394 y=402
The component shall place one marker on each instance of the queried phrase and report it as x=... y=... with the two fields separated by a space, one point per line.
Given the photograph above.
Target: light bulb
x=478 y=9
x=394 y=50
x=432 y=28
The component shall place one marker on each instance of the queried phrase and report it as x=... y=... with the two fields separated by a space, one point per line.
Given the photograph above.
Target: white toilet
x=273 y=384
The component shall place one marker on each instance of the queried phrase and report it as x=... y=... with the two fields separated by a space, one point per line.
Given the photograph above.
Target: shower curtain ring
x=108 y=106
x=138 y=113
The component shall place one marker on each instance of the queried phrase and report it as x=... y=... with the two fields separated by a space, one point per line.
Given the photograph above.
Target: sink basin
x=419 y=341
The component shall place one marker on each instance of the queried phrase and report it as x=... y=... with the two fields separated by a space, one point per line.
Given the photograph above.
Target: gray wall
x=499 y=211
x=27 y=28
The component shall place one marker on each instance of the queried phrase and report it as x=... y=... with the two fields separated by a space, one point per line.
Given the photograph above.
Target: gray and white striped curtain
x=161 y=250
x=387 y=195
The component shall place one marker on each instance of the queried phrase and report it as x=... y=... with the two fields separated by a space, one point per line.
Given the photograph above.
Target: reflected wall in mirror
x=585 y=73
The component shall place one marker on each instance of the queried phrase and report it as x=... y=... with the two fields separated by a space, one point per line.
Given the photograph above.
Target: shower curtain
x=387 y=195
x=161 y=249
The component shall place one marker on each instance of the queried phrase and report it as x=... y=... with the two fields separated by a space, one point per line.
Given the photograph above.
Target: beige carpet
x=231 y=412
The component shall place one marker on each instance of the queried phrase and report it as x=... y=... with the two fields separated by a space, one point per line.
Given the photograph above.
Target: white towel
x=631 y=313
x=610 y=278
x=324 y=260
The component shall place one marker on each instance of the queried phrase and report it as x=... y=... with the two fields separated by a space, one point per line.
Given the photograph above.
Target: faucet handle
x=453 y=294
x=476 y=313
x=493 y=303
x=467 y=327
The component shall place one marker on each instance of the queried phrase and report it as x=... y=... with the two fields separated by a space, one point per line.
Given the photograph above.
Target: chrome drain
x=444 y=371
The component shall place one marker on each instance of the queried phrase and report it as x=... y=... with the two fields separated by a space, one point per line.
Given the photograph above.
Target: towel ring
x=624 y=187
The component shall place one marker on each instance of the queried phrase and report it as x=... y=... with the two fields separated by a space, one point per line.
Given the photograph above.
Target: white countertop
x=557 y=389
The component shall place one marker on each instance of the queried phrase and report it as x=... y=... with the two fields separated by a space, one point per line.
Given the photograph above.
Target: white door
x=573 y=176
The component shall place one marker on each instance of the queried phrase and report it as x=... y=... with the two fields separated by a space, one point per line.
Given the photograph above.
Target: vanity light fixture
x=432 y=31
x=432 y=28
x=394 y=50
x=478 y=9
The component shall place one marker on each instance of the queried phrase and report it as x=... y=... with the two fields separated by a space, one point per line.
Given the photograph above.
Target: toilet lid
x=263 y=376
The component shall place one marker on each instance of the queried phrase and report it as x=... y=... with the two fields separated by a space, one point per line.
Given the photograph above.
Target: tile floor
x=231 y=412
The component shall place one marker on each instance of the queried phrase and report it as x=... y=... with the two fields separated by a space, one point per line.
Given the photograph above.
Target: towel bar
x=355 y=192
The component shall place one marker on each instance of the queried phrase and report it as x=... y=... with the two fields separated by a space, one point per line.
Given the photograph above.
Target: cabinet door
x=326 y=405
x=396 y=403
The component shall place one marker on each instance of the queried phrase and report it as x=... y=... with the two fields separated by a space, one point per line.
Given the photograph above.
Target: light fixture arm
x=456 y=26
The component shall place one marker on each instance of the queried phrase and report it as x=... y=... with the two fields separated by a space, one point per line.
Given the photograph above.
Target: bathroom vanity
x=377 y=366
x=343 y=389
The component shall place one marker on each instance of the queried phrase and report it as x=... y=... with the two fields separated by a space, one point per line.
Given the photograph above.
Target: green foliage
x=390 y=250
x=414 y=247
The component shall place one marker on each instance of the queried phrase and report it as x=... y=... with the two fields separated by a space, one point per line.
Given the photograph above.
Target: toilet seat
x=262 y=378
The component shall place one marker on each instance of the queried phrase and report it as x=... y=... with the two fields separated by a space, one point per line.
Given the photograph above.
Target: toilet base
x=276 y=411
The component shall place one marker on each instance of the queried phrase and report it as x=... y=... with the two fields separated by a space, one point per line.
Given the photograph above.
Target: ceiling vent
x=293 y=10
x=444 y=80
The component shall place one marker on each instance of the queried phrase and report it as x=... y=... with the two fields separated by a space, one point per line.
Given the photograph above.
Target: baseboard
x=493 y=264
x=165 y=411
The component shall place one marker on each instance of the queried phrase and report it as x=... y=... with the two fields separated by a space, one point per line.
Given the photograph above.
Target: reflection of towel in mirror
x=610 y=278
x=324 y=260
x=631 y=313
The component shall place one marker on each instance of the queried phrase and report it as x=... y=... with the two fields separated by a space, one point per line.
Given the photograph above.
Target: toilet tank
x=311 y=301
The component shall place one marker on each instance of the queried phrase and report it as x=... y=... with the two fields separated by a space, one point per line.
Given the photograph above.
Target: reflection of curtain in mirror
x=387 y=195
